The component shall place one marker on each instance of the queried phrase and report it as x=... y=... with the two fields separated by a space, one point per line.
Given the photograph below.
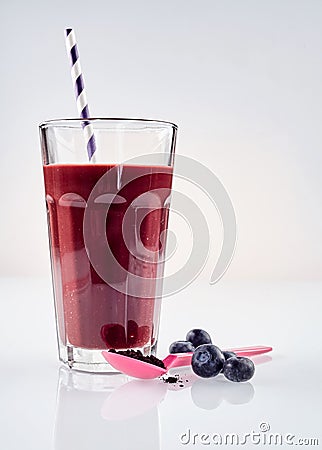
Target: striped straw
x=78 y=82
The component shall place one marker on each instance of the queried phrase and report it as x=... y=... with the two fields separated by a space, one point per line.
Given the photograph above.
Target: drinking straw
x=80 y=92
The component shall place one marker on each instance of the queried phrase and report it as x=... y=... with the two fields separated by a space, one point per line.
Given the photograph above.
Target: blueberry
x=239 y=369
x=207 y=361
x=198 y=337
x=228 y=355
x=181 y=347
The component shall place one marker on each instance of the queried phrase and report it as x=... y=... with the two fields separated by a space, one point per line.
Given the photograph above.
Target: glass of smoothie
x=107 y=221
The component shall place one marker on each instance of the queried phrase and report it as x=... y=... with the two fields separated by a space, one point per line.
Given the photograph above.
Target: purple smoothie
x=92 y=314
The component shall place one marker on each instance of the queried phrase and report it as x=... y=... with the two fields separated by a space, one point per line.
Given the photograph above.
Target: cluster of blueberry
x=208 y=360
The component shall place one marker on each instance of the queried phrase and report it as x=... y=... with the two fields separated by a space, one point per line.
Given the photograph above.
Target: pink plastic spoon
x=140 y=369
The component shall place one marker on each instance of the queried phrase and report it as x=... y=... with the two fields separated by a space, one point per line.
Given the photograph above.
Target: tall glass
x=107 y=221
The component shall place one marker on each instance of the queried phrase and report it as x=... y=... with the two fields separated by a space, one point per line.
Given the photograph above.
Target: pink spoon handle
x=184 y=359
x=177 y=360
x=251 y=351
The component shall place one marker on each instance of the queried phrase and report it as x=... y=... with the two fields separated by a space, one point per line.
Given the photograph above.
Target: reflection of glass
x=209 y=394
x=89 y=412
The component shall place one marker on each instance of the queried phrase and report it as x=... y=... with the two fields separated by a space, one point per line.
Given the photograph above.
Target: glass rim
x=62 y=122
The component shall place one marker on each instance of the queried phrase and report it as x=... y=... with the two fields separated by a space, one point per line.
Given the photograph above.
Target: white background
x=242 y=79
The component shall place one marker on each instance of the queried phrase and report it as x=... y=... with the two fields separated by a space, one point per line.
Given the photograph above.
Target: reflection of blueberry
x=207 y=394
x=181 y=347
x=198 y=337
x=228 y=355
x=239 y=369
x=238 y=393
x=207 y=361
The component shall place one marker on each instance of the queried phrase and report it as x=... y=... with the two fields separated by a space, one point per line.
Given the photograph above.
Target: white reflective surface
x=46 y=406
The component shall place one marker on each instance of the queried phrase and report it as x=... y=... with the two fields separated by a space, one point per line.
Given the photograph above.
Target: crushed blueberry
x=137 y=354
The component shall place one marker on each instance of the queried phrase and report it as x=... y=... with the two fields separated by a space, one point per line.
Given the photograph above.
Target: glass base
x=89 y=360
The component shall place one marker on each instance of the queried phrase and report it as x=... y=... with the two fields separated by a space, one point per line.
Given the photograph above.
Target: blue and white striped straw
x=78 y=82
